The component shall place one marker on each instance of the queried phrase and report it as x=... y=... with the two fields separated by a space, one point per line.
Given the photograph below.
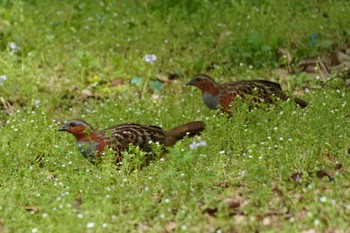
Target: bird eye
x=198 y=79
x=72 y=124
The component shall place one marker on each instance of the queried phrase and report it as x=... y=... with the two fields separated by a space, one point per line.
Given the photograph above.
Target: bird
x=92 y=143
x=253 y=91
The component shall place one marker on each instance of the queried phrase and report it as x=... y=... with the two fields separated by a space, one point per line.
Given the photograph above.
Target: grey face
x=73 y=123
x=211 y=101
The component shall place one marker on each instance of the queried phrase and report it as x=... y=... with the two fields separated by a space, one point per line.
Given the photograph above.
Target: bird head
x=203 y=82
x=79 y=128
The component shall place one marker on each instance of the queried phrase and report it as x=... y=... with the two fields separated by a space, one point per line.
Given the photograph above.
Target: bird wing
x=258 y=90
x=121 y=136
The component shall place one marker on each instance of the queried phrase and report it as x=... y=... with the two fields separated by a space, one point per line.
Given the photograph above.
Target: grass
x=281 y=170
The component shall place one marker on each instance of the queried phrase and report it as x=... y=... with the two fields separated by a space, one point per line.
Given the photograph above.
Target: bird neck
x=209 y=87
x=86 y=136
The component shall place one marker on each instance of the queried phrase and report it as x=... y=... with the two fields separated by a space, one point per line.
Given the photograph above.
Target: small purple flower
x=150 y=58
x=195 y=145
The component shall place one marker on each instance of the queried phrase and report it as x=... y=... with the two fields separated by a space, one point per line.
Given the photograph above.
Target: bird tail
x=189 y=129
x=302 y=103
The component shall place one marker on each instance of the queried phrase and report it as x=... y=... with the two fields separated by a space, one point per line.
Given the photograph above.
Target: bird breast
x=88 y=149
x=210 y=100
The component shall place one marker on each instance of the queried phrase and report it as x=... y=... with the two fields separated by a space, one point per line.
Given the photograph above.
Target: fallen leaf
x=327 y=158
x=333 y=230
x=338 y=166
x=319 y=67
x=310 y=231
x=74 y=88
x=222 y=184
x=170 y=226
x=172 y=78
x=232 y=203
x=2 y=226
x=299 y=197
x=266 y=221
x=343 y=57
x=117 y=82
x=281 y=73
x=300 y=215
x=288 y=57
x=321 y=174
x=142 y=227
x=211 y=211
x=297 y=176
x=276 y=189
x=7 y=106
x=239 y=218
x=334 y=60
x=86 y=93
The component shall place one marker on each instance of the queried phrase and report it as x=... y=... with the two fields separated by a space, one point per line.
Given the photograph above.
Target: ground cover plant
x=277 y=169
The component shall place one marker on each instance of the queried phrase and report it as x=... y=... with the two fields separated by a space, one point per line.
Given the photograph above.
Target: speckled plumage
x=255 y=91
x=92 y=143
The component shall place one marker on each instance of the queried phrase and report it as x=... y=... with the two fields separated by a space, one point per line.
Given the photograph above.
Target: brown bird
x=254 y=91
x=92 y=143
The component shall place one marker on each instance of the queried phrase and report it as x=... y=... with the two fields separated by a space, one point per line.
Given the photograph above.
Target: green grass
x=261 y=171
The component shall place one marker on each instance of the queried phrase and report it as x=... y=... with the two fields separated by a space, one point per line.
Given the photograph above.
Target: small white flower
x=34 y=230
x=80 y=215
x=104 y=225
x=36 y=103
x=323 y=199
x=150 y=58
x=13 y=46
x=90 y=225
x=2 y=79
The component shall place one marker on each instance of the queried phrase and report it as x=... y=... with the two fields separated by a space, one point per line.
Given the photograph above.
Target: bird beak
x=190 y=83
x=63 y=128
